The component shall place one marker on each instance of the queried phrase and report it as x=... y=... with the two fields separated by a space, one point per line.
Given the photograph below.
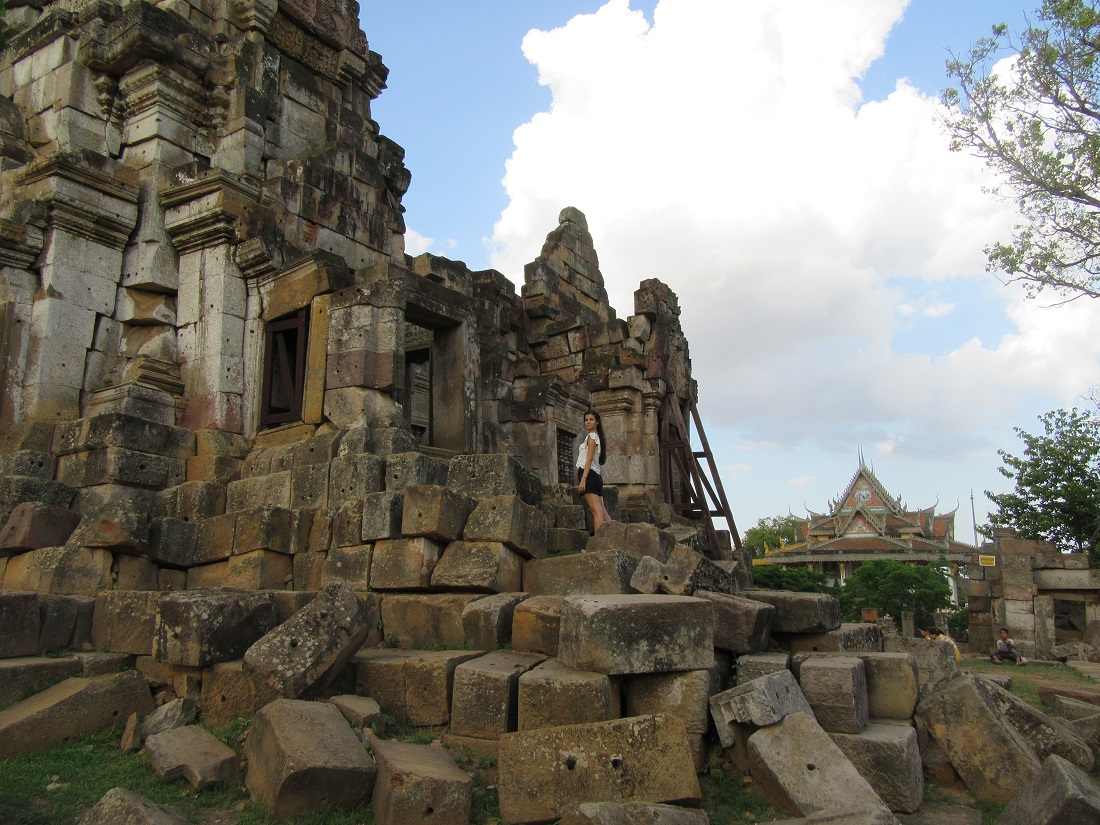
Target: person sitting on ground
x=936 y=635
x=1006 y=650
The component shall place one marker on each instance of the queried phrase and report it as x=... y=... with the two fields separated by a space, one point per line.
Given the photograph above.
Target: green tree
x=1057 y=494
x=894 y=586
x=3 y=34
x=770 y=532
x=1037 y=125
x=798 y=579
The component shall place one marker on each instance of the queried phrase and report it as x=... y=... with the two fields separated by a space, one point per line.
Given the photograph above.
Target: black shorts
x=592 y=484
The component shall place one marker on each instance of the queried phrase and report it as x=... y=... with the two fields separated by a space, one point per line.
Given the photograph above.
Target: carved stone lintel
x=20 y=244
x=208 y=209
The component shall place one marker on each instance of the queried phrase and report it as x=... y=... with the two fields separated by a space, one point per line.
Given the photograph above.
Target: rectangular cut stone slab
x=544 y=773
x=836 y=688
x=125 y=621
x=510 y=520
x=228 y=693
x=488 y=621
x=194 y=754
x=20 y=677
x=854 y=637
x=553 y=694
x=992 y=758
x=22 y=624
x=485 y=701
x=636 y=540
x=418 y=783
x=887 y=756
x=592 y=572
x=483 y=566
x=382 y=516
x=799 y=612
x=763 y=701
x=741 y=625
x=800 y=768
x=754 y=665
x=1060 y=792
x=893 y=686
x=429 y=684
x=536 y=624
x=203 y=627
x=685 y=694
x=935 y=660
x=630 y=813
x=35 y=524
x=71 y=709
x=435 y=512
x=636 y=634
x=303 y=758
x=419 y=619
x=404 y=564
x=304 y=654
x=493 y=474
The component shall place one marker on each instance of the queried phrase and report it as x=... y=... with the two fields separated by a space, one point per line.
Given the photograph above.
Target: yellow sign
x=987 y=561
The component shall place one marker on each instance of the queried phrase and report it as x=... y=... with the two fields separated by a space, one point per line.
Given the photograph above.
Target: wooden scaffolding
x=693 y=488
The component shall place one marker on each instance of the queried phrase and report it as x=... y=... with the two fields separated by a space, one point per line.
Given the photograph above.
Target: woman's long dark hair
x=599 y=432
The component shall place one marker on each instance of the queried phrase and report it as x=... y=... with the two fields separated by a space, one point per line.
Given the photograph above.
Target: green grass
x=57 y=785
x=1027 y=680
x=728 y=800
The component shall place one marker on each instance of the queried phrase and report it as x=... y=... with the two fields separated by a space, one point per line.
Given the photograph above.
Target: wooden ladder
x=700 y=493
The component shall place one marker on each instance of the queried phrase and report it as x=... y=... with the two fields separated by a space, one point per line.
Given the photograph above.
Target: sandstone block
x=348 y=565
x=35 y=524
x=935 y=660
x=355 y=476
x=966 y=719
x=487 y=622
x=629 y=813
x=510 y=520
x=70 y=709
x=435 y=512
x=380 y=674
x=303 y=758
x=800 y=768
x=1060 y=792
x=489 y=475
x=887 y=756
x=135 y=573
x=194 y=754
x=125 y=621
x=684 y=694
x=208 y=576
x=121 y=805
x=893 y=685
x=259 y=570
x=638 y=759
x=740 y=625
x=560 y=541
x=22 y=623
x=258 y=491
x=1068 y=708
x=24 y=675
x=536 y=624
x=66 y=571
x=836 y=688
x=592 y=572
x=309 y=571
x=304 y=654
x=185 y=682
x=214 y=541
x=485 y=701
x=346 y=524
x=382 y=516
x=636 y=634
x=763 y=701
x=636 y=540
x=857 y=637
x=405 y=469
x=799 y=612
x=361 y=712
x=66 y=622
x=409 y=620
x=264 y=528
x=417 y=783
x=203 y=627
x=404 y=564
x=685 y=572
x=552 y=694
x=228 y=693
x=482 y=566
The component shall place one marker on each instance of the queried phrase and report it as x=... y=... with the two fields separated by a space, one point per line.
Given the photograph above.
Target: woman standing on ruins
x=589 y=480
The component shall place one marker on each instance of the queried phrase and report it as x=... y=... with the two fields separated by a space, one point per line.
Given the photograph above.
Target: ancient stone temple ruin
x=255 y=461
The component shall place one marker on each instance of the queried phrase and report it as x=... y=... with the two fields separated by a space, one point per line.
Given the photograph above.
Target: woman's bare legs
x=599 y=512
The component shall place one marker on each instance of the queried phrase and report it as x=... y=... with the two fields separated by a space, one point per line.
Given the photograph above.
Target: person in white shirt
x=590 y=457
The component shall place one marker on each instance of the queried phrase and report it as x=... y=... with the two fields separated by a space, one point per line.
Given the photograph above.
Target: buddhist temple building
x=866 y=522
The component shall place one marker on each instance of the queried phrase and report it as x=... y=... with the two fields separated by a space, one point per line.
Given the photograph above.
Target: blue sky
x=777 y=164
